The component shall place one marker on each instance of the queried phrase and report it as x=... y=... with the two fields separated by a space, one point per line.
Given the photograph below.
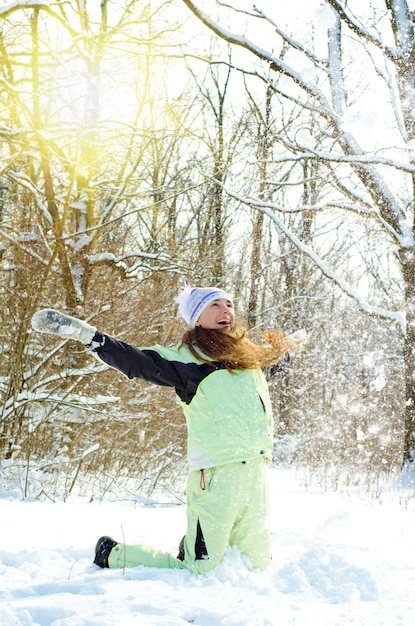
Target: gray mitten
x=299 y=336
x=56 y=323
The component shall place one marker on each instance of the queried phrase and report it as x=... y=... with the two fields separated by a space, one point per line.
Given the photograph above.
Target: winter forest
x=266 y=149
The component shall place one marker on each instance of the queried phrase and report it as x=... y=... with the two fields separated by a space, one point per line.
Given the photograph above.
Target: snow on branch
x=292 y=42
x=372 y=159
x=46 y=5
x=371 y=212
x=107 y=258
x=58 y=398
x=68 y=373
x=274 y=62
x=359 y=30
x=22 y=4
x=391 y=216
x=397 y=316
x=24 y=180
x=15 y=241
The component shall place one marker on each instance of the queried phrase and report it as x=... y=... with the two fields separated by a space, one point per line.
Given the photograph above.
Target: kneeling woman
x=216 y=372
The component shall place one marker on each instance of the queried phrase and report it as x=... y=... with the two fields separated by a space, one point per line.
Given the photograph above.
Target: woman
x=216 y=372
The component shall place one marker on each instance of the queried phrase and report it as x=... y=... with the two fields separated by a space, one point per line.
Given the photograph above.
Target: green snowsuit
x=230 y=432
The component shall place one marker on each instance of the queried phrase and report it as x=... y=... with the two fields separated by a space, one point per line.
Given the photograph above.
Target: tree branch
x=274 y=62
x=391 y=53
x=397 y=316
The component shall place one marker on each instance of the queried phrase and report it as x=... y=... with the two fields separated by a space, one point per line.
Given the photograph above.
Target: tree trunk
x=408 y=267
x=403 y=30
x=263 y=140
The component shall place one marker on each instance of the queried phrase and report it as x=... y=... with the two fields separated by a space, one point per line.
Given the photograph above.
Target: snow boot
x=102 y=551
x=181 y=554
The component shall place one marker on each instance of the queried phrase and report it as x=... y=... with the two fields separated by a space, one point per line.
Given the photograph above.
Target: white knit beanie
x=193 y=300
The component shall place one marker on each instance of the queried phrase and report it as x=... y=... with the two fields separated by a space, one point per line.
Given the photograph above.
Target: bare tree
x=86 y=191
x=363 y=176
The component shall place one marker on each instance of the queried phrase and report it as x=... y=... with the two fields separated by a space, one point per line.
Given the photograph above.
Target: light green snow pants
x=228 y=504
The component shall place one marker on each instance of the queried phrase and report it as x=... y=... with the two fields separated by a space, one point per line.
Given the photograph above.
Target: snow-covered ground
x=339 y=559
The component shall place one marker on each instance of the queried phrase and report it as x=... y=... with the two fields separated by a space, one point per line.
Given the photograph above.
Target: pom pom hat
x=193 y=300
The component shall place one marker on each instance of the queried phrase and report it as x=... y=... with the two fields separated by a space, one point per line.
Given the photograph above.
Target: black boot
x=102 y=551
x=181 y=554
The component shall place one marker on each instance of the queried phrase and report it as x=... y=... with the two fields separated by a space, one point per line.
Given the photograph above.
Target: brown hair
x=236 y=350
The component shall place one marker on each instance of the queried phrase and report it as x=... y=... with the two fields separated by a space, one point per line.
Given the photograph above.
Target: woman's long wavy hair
x=236 y=350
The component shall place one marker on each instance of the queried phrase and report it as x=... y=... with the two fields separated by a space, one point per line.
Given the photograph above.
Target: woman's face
x=218 y=315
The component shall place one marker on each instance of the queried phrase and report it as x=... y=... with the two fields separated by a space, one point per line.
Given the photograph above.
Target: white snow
x=339 y=560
